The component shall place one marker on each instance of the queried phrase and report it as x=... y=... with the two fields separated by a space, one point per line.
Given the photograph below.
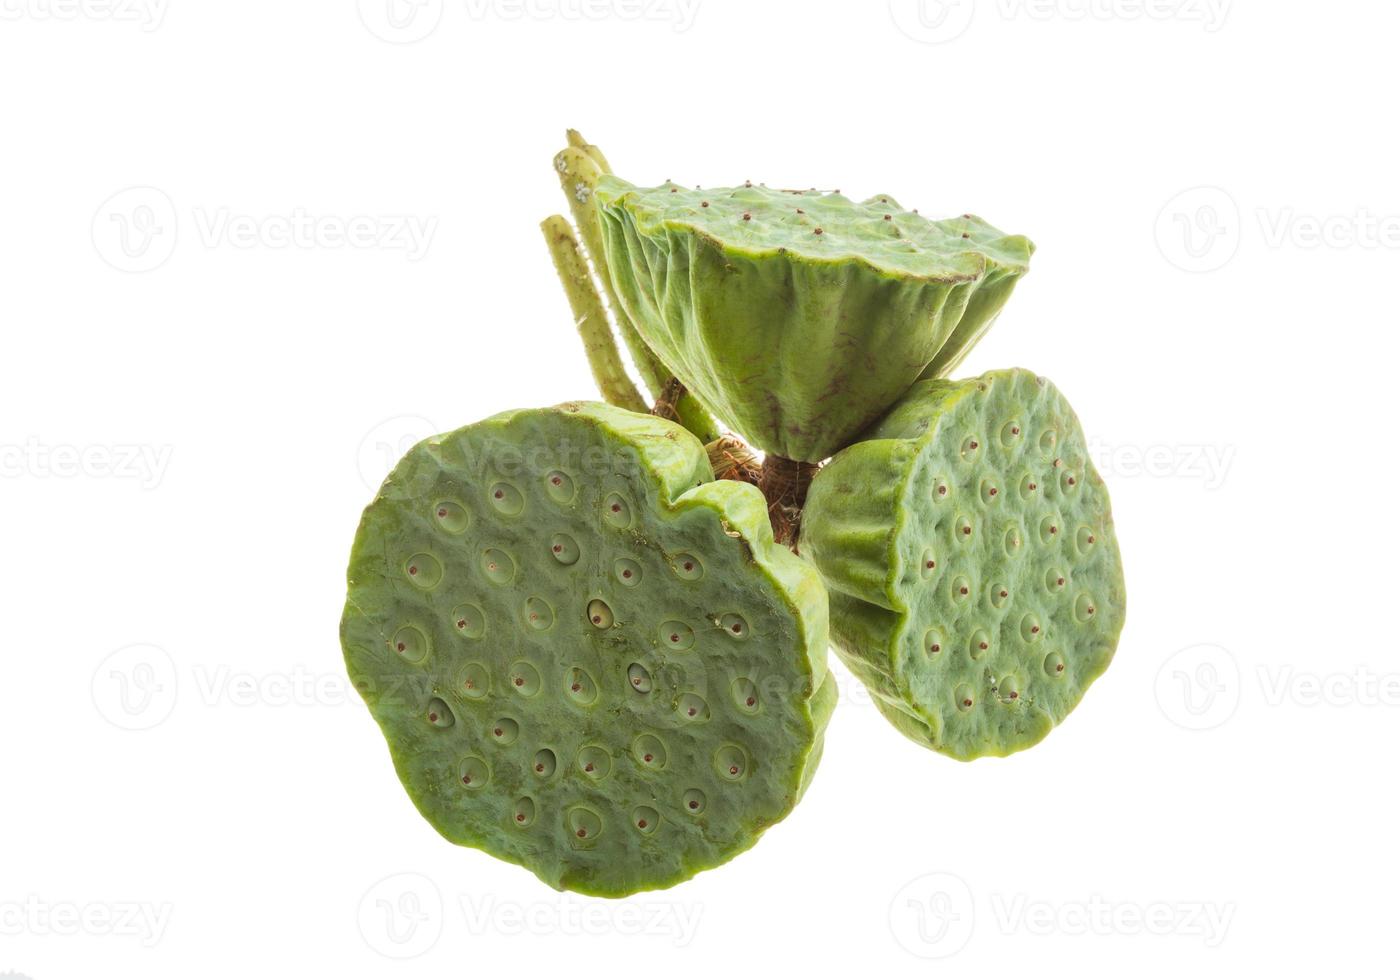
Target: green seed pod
x=588 y=657
x=799 y=317
x=976 y=584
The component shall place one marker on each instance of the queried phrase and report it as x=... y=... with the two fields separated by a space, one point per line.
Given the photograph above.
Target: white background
x=1212 y=188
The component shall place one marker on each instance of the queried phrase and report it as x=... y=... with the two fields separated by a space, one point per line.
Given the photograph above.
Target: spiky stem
x=578 y=167
x=576 y=139
x=785 y=483
x=589 y=316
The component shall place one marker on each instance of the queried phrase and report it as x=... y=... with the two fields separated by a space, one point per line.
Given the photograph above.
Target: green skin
x=976 y=584
x=798 y=318
x=616 y=680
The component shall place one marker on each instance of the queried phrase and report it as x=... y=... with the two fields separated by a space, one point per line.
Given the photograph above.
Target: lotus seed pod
x=800 y=317
x=976 y=584
x=587 y=656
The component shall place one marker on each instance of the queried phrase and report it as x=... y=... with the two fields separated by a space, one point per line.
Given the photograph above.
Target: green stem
x=589 y=316
x=576 y=139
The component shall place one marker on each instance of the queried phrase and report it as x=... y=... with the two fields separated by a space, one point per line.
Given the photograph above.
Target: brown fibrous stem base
x=732 y=459
x=784 y=483
x=670 y=397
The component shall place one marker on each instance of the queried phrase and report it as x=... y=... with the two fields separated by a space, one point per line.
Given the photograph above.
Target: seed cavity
x=978 y=644
x=734 y=626
x=439 y=715
x=469 y=621
x=559 y=486
x=933 y=642
x=423 y=570
x=961 y=588
x=688 y=567
x=545 y=763
x=1084 y=540
x=507 y=499
x=639 y=678
x=617 y=511
x=676 y=635
x=476 y=681
x=1084 y=608
x=451 y=516
x=1030 y=628
x=745 y=694
x=473 y=772
x=410 y=643
x=594 y=762
x=600 y=614
x=693 y=802
x=1011 y=541
x=564 y=549
x=649 y=751
x=645 y=819
x=962 y=697
x=731 y=762
x=627 y=572
x=524 y=679
x=692 y=707
x=539 y=614
x=497 y=566
x=579 y=686
x=584 y=824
